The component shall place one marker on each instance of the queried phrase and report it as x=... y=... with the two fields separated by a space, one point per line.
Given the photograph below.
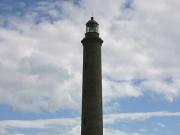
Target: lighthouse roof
x=92 y=22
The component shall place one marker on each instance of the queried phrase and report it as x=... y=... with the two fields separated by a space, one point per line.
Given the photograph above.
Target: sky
x=41 y=66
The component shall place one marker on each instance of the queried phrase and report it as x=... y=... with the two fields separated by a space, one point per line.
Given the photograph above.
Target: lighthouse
x=92 y=112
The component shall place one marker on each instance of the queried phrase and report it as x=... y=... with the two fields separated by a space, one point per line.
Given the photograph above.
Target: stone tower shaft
x=92 y=114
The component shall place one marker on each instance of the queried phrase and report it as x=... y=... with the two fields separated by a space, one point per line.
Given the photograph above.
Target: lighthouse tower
x=92 y=114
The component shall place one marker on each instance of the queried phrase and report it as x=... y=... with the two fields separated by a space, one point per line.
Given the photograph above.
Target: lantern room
x=92 y=26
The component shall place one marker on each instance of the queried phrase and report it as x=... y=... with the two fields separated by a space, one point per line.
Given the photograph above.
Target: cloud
x=39 y=123
x=111 y=131
x=113 y=89
x=161 y=125
x=142 y=130
x=113 y=118
x=108 y=119
x=31 y=77
x=41 y=53
x=69 y=126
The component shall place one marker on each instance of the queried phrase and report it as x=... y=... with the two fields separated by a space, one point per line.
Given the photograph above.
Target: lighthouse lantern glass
x=93 y=28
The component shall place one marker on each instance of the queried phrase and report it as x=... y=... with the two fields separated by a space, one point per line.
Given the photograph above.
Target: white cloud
x=113 y=118
x=161 y=125
x=115 y=90
x=108 y=119
x=168 y=88
x=70 y=126
x=39 y=123
x=112 y=131
x=33 y=74
x=142 y=130
x=41 y=63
